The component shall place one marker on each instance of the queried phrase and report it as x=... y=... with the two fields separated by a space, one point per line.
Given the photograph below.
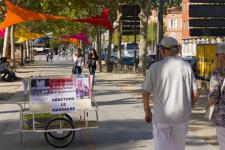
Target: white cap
x=169 y=43
x=220 y=48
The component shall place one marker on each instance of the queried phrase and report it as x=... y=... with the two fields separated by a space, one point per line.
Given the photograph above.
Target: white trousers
x=220 y=131
x=169 y=137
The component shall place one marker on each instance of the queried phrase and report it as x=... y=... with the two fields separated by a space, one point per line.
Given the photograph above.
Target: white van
x=129 y=49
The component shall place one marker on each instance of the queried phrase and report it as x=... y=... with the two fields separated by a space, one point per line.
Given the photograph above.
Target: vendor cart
x=58 y=107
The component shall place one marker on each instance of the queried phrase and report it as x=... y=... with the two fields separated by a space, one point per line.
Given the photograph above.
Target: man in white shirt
x=173 y=85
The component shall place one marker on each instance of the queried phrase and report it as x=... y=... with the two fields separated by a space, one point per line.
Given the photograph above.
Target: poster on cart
x=40 y=90
x=63 y=95
x=58 y=92
x=82 y=85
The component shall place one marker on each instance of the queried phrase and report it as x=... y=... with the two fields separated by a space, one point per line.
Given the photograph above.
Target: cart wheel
x=68 y=117
x=55 y=136
x=59 y=138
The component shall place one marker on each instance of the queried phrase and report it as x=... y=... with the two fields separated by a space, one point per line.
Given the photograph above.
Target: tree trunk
x=6 y=42
x=98 y=46
x=30 y=51
x=22 y=54
x=109 y=63
x=143 y=41
x=144 y=14
x=26 y=52
x=119 y=52
x=13 y=51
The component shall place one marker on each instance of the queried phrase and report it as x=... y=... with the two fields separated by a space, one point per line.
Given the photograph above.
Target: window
x=173 y=23
x=131 y=46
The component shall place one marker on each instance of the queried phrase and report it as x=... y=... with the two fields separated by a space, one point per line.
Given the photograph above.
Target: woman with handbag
x=78 y=62
x=216 y=95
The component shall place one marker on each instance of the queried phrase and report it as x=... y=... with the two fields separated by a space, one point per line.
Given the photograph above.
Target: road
x=121 y=125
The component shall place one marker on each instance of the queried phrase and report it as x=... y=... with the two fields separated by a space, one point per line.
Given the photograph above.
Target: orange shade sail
x=72 y=40
x=17 y=15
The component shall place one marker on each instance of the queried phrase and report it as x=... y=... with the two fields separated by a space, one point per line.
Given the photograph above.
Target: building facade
x=172 y=22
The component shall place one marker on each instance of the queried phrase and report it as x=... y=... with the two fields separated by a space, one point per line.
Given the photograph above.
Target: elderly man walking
x=173 y=85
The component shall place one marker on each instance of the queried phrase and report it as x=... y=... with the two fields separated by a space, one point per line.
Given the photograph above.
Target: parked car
x=150 y=59
x=128 y=49
x=129 y=61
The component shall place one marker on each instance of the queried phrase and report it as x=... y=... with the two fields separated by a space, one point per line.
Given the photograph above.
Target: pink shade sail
x=80 y=36
x=2 y=33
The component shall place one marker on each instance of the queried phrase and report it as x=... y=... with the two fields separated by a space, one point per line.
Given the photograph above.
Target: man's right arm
x=147 y=109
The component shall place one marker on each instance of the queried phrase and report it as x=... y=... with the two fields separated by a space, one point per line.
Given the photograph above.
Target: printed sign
x=64 y=103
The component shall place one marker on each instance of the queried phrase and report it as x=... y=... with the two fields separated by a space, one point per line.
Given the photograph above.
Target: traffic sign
x=130 y=20
x=207 y=17
x=207 y=22
x=207 y=1
x=129 y=10
x=212 y=10
x=207 y=32
x=130 y=32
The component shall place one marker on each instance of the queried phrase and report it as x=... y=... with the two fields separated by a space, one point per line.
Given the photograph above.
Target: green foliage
x=152 y=32
x=167 y=4
x=69 y=8
x=74 y=9
x=124 y=38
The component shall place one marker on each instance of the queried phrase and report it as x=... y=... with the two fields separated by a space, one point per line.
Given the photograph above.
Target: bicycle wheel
x=59 y=138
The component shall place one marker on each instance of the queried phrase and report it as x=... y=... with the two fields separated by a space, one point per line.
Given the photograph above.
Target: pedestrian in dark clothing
x=8 y=75
x=51 y=56
x=47 y=57
x=92 y=61
x=92 y=64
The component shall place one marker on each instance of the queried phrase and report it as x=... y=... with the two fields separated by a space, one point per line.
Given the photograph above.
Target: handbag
x=209 y=112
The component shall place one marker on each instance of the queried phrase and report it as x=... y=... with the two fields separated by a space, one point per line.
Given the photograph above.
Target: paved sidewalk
x=120 y=111
x=199 y=126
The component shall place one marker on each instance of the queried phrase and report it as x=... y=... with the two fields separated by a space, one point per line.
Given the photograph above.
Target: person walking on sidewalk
x=216 y=95
x=78 y=62
x=175 y=92
x=92 y=64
